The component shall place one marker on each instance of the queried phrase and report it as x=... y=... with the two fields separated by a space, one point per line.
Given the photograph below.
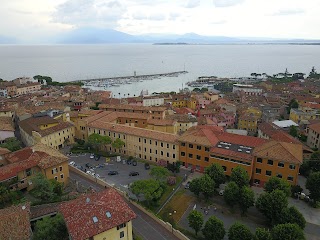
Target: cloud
x=286 y=12
x=192 y=4
x=157 y=17
x=226 y=3
x=89 y=13
x=139 y=15
x=219 y=22
x=173 y=16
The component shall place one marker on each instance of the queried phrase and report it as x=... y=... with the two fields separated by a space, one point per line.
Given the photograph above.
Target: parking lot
x=102 y=168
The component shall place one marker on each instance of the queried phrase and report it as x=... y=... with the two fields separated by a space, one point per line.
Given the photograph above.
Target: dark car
x=88 y=165
x=187 y=186
x=129 y=161
x=113 y=173
x=97 y=157
x=147 y=166
x=133 y=174
x=134 y=163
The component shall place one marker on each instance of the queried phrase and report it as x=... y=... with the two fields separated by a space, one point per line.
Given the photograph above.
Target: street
x=143 y=225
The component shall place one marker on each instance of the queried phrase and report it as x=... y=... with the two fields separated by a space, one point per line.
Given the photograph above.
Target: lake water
x=75 y=62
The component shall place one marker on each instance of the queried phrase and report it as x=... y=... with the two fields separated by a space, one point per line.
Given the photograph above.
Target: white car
x=221 y=192
x=71 y=163
x=89 y=172
x=92 y=155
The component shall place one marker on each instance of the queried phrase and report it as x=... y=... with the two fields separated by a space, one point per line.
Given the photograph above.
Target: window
x=292 y=166
x=145 y=149
x=268 y=173
x=183 y=144
x=207 y=149
x=198 y=147
x=60 y=168
x=270 y=162
x=198 y=157
x=183 y=154
x=173 y=146
x=259 y=160
x=161 y=144
x=206 y=159
x=173 y=156
x=56 y=178
x=145 y=140
x=150 y=150
x=190 y=155
x=28 y=172
x=224 y=168
x=190 y=145
x=150 y=142
x=156 y=143
x=168 y=155
x=121 y=226
x=122 y=234
x=290 y=178
x=61 y=176
x=279 y=175
x=258 y=170
x=53 y=171
x=156 y=151
x=280 y=164
x=139 y=139
x=167 y=145
x=161 y=153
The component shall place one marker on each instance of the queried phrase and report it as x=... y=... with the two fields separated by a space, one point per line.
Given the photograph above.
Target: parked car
x=134 y=163
x=187 y=186
x=113 y=173
x=89 y=165
x=89 y=172
x=147 y=166
x=129 y=161
x=92 y=155
x=133 y=174
x=97 y=157
x=100 y=165
x=71 y=163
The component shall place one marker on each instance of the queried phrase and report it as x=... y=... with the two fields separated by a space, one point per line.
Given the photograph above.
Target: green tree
x=51 y=228
x=195 y=219
x=42 y=187
x=272 y=204
x=239 y=231
x=159 y=173
x=57 y=187
x=207 y=186
x=12 y=144
x=195 y=186
x=240 y=176
x=214 y=229
x=263 y=234
x=313 y=183
x=314 y=162
x=97 y=141
x=246 y=199
x=118 y=144
x=292 y=215
x=292 y=104
x=231 y=194
x=276 y=183
x=287 y=231
x=151 y=189
x=293 y=131
x=216 y=172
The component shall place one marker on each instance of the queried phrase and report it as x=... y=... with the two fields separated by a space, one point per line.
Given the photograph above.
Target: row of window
x=161 y=152
x=280 y=164
x=55 y=170
x=183 y=144
x=269 y=173
x=156 y=143
x=198 y=157
x=230 y=160
x=56 y=178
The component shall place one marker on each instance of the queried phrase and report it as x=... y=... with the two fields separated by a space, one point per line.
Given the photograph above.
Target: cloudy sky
x=42 y=19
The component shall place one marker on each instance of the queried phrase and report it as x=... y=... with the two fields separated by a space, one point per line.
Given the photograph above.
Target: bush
x=171 y=180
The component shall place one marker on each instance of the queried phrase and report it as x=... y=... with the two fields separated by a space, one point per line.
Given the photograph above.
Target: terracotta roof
x=4 y=151
x=15 y=222
x=79 y=213
x=139 y=132
x=131 y=107
x=230 y=153
x=6 y=124
x=287 y=152
x=11 y=170
x=315 y=127
x=44 y=209
x=202 y=135
x=161 y=122
x=185 y=118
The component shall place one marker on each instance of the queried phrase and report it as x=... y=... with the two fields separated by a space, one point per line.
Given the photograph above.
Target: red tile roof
x=78 y=214
x=15 y=222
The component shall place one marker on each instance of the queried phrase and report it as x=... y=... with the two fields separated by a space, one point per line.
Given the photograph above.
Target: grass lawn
x=179 y=203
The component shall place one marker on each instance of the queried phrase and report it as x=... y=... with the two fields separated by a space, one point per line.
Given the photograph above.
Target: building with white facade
x=247 y=89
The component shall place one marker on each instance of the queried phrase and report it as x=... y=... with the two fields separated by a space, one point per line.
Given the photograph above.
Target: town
x=229 y=161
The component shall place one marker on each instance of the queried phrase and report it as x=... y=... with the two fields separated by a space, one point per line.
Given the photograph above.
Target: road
x=143 y=225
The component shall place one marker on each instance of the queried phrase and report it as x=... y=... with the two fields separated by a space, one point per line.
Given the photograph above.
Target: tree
x=231 y=194
x=195 y=186
x=314 y=162
x=272 y=204
x=292 y=215
x=42 y=187
x=51 y=228
x=118 y=143
x=263 y=234
x=246 y=199
x=287 y=231
x=276 y=183
x=313 y=183
x=216 y=172
x=12 y=144
x=159 y=173
x=195 y=219
x=240 y=176
x=151 y=189
x=214 y=229
x=239 y=231
x=96 y=140
x=292 y=104
x=293 y=131
x=207 y=186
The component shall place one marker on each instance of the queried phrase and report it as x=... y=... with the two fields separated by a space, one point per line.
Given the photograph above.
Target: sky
x=45 y=19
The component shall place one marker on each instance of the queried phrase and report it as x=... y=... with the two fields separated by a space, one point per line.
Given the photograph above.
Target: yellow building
x=211 y=96
x=46 y=130
x=297 y=115
x=22 y=165
x=27 y=88
x=98 y=216
x=248 y=122
x=164 y=125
